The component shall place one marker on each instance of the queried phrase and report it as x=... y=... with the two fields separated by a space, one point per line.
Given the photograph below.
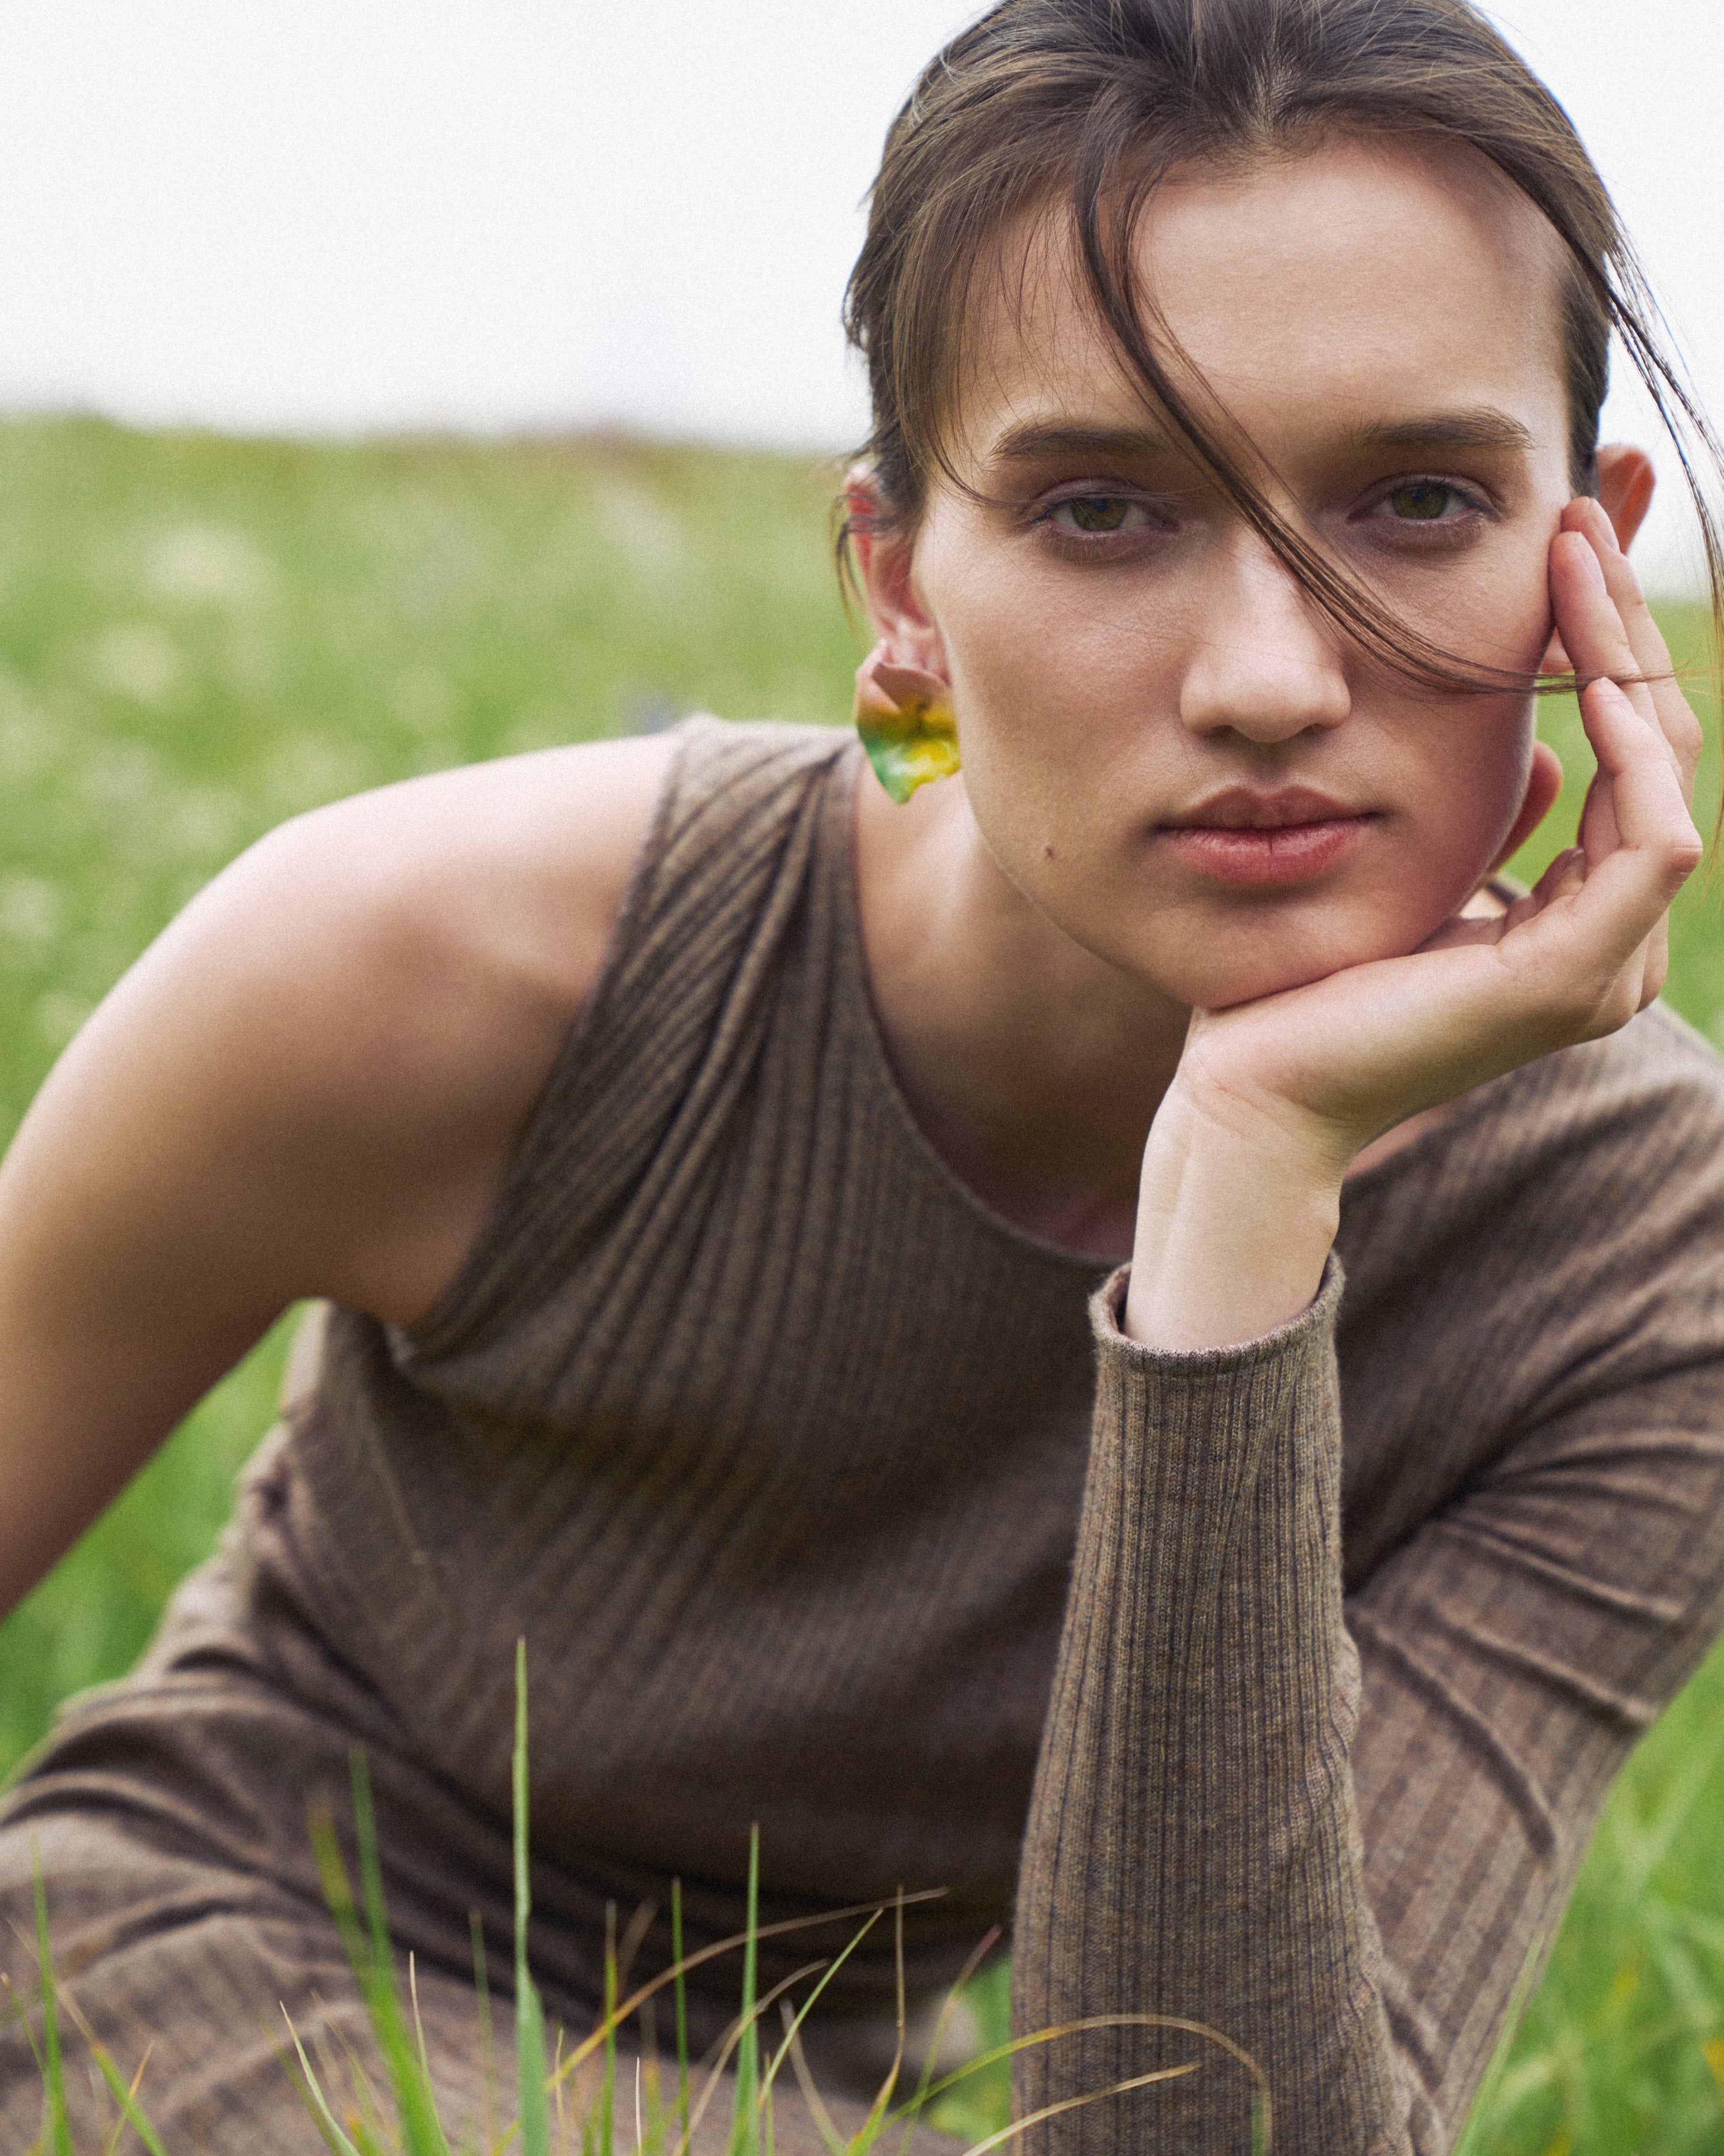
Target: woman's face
x=1166 y=748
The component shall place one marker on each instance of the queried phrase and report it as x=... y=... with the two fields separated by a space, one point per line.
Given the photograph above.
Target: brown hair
x=1097 y=100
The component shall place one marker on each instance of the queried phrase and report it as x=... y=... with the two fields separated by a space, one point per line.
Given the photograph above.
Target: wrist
x=1237 y=1212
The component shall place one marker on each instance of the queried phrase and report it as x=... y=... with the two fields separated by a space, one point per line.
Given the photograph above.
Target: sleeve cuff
x=1315 y=1323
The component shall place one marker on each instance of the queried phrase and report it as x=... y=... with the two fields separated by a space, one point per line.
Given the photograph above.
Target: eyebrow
x=1034 y=438
x=1482 y=428
x=1485 y=428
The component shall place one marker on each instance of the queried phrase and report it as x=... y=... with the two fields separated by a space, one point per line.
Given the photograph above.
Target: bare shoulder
x=311 y=1085
x=517 y=867
x=312 y=1082
x=446 y=928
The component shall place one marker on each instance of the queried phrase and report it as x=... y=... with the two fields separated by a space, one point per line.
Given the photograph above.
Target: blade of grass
x=54 y=2077
x=637 y=1998
x=24 y=2021
x=718 y=2065
x=824 y=2125
x=371 y=1959
x=619 y=1961
x=123 y=2121
x=874 y=2125
x=918 y=2103
x=369 y=2128
x=557 y=2090
x=745 y=2123
x=487 y=2044
x=532 y=2069
x=130 y=2112
x=652 y=2081
x=412 y=2087
x=322 y=2117
x=801 y=2015
x=1077 y=2103
x=608 y=2085
x=681 y=1996
x=1006 y=2051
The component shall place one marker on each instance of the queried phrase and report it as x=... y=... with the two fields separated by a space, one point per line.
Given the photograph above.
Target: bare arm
x=310 y=1085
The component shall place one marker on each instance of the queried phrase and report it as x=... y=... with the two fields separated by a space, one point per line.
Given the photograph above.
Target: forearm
x=1192 y=1849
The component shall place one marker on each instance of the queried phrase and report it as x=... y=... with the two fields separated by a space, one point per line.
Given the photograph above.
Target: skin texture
x=311 y=1085
x=1362 y=314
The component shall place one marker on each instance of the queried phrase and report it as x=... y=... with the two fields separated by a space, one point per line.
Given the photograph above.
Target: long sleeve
x=1328 y=1793
x=1192 y=1848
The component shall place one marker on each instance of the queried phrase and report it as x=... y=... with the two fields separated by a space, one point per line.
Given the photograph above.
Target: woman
x=704 y=1159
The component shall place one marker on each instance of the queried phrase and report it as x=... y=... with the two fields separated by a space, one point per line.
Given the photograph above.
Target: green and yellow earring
x=904 y=719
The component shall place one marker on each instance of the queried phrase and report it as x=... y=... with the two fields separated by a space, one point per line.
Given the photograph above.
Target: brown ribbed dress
x=1279 y=1685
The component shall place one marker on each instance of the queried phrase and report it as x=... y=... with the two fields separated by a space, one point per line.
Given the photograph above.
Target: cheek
x=1059 y=693
x=1474 y=785
x=1058 y=777
x=1493 y=610
x=1027 y=797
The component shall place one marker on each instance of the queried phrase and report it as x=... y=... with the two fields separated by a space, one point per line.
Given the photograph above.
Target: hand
x=1274 y=1099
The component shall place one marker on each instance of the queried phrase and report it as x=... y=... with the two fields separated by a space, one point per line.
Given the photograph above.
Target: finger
x=1658 y=847
x=1661 y=694
x=1563 y=879
x=1598 y=643
x=1598 y=833
x=1675 y=714
x=1646 y=799
x=1657 y=962
x=1564 y=876
x=1593 y=631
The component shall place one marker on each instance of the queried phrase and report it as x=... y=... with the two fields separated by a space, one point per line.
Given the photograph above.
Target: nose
x=1265 y=664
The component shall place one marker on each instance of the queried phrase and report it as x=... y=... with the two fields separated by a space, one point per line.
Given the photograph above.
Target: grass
x=357 y=2120
x=198 y=638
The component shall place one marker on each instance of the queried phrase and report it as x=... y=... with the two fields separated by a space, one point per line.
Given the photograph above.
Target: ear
x=1626 y=481
x=1544 y=782
x=887 y=568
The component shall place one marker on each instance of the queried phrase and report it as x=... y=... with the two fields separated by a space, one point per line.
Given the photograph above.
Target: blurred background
x=386 y=384
x=354 y=215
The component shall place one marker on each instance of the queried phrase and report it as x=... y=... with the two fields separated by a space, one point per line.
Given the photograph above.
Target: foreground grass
x=575 y=2097
x=198 y=638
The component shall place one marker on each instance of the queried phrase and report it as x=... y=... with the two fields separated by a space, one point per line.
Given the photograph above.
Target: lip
x=1241 y=837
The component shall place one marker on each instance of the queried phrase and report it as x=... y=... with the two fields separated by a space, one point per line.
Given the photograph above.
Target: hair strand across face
x=1085 y=106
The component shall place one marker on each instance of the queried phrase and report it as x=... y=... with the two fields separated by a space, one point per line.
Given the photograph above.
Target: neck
x=1034 y=1067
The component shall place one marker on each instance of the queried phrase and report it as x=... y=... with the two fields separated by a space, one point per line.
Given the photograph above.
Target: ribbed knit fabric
x=783 y=1453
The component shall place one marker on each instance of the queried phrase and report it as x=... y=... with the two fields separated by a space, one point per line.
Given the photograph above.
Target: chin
x=1240 y=967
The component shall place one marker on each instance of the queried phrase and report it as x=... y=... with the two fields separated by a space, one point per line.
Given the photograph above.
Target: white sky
x=317 y=215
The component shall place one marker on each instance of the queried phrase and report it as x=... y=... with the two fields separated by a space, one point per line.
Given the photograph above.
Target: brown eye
x=1097 y=512
x=1421 y=500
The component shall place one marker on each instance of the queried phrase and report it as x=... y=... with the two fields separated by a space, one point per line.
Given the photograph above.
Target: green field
x=199 y=638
